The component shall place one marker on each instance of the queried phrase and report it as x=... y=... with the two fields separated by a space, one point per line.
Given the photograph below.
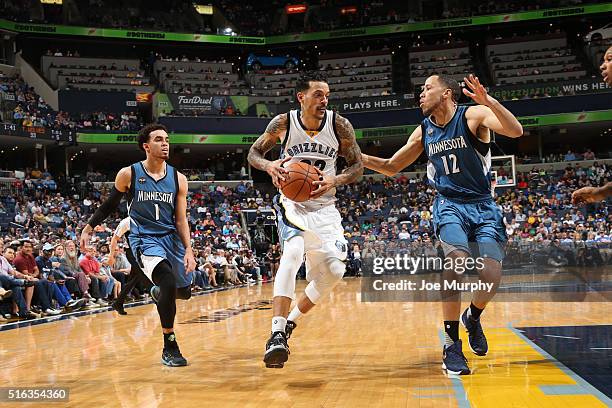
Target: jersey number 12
x=453 y=159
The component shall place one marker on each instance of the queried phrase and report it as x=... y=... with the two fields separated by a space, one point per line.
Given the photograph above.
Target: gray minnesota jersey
x=316 y=147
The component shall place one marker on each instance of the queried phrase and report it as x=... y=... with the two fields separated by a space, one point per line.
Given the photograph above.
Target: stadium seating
x=534 y=59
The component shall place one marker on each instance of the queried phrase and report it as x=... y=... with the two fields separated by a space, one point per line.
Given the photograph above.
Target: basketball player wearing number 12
x=456 y=140
x=313 y=228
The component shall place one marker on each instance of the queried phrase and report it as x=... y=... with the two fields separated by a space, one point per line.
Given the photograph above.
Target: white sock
x=295 y=314
x=278 y=324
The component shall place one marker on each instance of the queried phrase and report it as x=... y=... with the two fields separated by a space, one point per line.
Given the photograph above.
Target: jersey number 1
x=156 y=212
x=453 y=159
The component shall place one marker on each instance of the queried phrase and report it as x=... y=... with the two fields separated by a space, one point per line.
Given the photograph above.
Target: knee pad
x=183 y=293
x=291 y=260
x=329 y=274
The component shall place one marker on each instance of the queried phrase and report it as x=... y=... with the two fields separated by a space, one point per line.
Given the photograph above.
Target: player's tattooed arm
x=349 y=149
x=266 y=142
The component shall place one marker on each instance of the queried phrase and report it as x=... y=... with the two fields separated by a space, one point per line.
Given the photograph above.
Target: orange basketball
x=298 y=181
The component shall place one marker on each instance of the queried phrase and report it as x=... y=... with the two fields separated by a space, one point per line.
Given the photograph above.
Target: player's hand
x=323 y=185
x=189 y=260
x=586 y=195
x=276 y=170
x=85 y=237
x=479 y=93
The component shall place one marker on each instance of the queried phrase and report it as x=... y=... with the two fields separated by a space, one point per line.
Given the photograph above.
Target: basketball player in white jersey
x=312 y=228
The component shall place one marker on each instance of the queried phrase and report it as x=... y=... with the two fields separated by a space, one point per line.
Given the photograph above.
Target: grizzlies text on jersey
x=318 y=148
x=459 y=163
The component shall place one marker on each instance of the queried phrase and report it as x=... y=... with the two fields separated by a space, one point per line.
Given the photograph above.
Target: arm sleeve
x=107 y=207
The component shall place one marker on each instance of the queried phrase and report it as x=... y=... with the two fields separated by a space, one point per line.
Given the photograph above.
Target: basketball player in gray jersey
x=317 y=136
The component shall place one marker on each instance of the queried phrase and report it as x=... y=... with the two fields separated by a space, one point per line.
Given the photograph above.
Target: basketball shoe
x=476 y=337
x=453 y=360
x=277 y=350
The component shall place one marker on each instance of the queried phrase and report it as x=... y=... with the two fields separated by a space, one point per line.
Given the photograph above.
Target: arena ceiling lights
x=295 y=8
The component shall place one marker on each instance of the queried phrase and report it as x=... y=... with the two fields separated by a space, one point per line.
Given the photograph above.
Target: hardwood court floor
x=344 y=354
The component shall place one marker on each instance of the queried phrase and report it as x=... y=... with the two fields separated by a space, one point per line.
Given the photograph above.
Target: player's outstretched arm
x=403 y=158
x=489 y=112
x=182 y=226
x=592 y=194
x=349 y=149
x=266 y=142
x=122 y=184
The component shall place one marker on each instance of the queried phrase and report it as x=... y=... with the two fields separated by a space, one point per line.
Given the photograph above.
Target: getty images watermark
x=409 y=278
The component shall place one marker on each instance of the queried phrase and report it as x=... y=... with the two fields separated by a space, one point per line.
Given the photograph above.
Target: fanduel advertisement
x=208 y=104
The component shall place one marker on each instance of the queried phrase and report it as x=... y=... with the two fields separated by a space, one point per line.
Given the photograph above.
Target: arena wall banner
x=37 y=132
x=125 y=138
x=373 y=103
x=364 y=104
x=366 y=133
x=289 y=38
x=212 y=104
x=92 y=101
x=127 y=34
x=583 y=86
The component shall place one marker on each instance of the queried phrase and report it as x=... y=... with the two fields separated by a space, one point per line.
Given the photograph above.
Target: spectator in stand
x=112 y=286
x=91 y=267
x=69 y=264
x=570 y=156
x=589 y=155
x=43 y=289
x=48 y=270
x=15 y=282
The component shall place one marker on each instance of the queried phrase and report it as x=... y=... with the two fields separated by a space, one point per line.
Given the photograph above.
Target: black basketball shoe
x=118 y=306
x=172 y=357
x=277 y=350
x=476 y=337
x=453 y=360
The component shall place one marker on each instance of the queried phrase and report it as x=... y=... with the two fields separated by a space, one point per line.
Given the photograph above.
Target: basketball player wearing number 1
x=313 y=228
x=159 y=231
x=456 y=140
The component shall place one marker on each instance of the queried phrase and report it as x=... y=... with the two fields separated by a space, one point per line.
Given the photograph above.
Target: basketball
x=298 y=181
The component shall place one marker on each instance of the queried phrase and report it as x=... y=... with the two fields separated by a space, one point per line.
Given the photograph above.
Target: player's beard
x=433 y=108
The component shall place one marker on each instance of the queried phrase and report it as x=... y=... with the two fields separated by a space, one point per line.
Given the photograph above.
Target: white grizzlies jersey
x=315 y=147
